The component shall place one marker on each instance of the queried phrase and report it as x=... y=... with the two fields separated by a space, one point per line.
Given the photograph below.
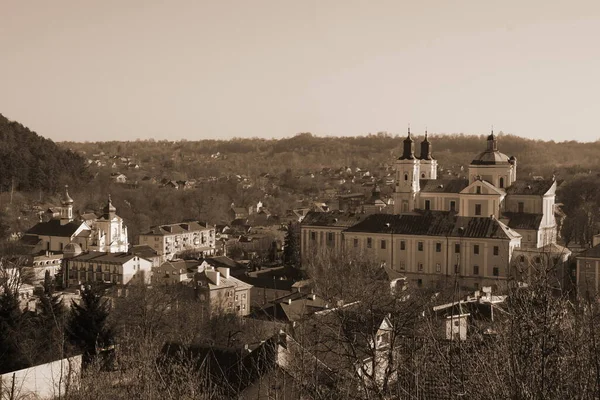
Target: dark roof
x=443 y=185
x=491 y=158
x=523 y=220
x=104 y=257
x=334 y=218
x=54 y=228
x=593 y=252
x=433 y=223
x=351 y=195
x=222 y=261
x=30 y=240
x=183 y=227
x=532 y=187
x=144 y=251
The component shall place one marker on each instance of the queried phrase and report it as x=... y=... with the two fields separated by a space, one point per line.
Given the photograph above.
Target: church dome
x=490 y=158
x=71 y=250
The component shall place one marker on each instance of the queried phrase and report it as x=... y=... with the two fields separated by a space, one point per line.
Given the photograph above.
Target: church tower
x=66 y=211
x=428 y=164
x=407 y=178
x=110 y=234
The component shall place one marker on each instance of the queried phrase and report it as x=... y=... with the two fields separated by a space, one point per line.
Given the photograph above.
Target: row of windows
x=420 y=246
x=438 y=268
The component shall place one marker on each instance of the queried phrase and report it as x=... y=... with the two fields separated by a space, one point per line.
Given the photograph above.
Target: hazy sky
x=127 y=69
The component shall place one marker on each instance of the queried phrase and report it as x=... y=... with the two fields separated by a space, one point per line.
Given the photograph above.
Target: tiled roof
x=180 y=265
x=593 y=252
x=434 y=223
x=54 y=228
x=532 y=187
x=104 y=257
x=443 y=185
x=171 y=229
x=523 y=220
x=334 y=218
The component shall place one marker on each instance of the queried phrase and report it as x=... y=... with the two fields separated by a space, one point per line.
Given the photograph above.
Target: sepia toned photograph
x=299 y=200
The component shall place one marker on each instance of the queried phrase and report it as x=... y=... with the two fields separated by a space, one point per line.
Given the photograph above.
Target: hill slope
x=31 y=162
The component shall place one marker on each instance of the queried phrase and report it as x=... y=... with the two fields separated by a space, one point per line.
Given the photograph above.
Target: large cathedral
x=491 y=190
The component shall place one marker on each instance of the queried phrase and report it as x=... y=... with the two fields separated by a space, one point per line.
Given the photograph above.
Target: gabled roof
x=54 y=228
x=530 y=187
x=144 y=251
x=523 y=220
x=488 y=187
x=333 y=219
x=222 y=261
x=435 y=223
x=443 y=185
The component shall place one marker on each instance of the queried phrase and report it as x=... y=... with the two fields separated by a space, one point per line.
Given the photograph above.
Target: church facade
x=473 y=228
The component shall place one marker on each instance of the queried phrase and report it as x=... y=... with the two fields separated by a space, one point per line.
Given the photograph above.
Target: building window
x=402 y=266
x=496 y=250
x=402 y=245
x=313 y=236
x=452 y=205
x=355 y=242
x=438 y=267
x=423 y=176
x=475 y=269
x=405 y=177
x=369 y=243
x=330 y=236
x=420 y=246
x=538 y=260
x=476 y=249
x=477 y=209
x=419 y=282
x=427 y=204
x=495 y=271
x=457 y=248
x=383 y=244
x=420 y=267
x=522 y=258
x=521 y=206
x=501 y=182
x=478 y=190
x=438 y=247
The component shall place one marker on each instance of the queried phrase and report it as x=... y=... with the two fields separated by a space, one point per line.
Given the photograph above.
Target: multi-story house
x=115 y=268
x=587 y=274
x=170 y=240
x=174 y=272
x=219 y=292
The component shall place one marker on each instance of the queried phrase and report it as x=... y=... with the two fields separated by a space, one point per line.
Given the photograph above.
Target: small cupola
x=426 y=149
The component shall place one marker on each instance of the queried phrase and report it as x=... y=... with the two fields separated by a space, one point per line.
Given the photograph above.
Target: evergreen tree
x=88 y=327
x=50 y=323
x=11 y=317
x=291 y=249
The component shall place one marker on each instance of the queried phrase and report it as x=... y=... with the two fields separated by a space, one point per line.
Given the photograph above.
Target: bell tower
x=407 y=178
x=66 y=211
x=428 y=164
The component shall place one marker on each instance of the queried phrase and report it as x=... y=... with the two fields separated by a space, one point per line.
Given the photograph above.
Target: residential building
x=219 y=292
x=174 y=272
x=116 y=268
x=173 y=239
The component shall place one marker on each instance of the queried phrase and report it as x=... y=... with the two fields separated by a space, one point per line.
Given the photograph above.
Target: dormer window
x=478 y=190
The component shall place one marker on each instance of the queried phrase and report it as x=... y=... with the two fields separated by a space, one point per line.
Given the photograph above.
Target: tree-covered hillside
x=30 y=162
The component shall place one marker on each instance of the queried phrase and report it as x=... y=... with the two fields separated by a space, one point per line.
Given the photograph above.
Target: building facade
x=170 y=240
x=115 y=268
x=219 y=292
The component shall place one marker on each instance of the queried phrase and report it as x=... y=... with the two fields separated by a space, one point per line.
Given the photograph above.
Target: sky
x=140 y=69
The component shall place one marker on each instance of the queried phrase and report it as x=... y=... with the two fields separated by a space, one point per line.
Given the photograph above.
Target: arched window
x=423 y=176
x=405 y=177
x=501 y=182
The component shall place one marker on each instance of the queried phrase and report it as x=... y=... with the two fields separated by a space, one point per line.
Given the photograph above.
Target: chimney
x=289 y=301
x=224 y=271
x=312 y=297
x=214 y=277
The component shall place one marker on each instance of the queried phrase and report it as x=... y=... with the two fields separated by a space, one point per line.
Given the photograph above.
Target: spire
x=109 y=210
x=408 y=153
x=66 y=200
x=492 y=141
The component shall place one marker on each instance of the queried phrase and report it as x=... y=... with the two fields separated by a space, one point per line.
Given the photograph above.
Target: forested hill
x=311 y=153
x=31 y=162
